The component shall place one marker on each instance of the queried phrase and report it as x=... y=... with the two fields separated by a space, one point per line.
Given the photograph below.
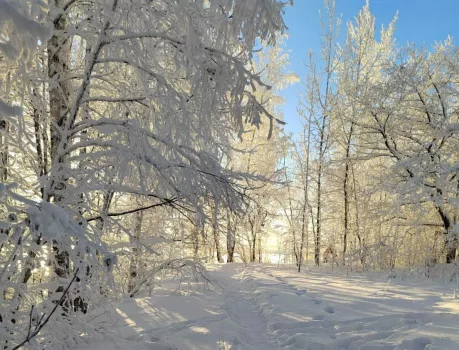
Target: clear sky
x=420 y=21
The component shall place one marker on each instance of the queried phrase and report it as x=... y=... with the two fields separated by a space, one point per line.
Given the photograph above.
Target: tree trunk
x=216 y=236
x=253 y=248
x=357 y=220
x=196 y=243
x=108 y=196
x=243 y=254
x=322 y=150
x=41 y=172
x=346 y=212
x=304 y=223
x=232 y=248
x=38 y=141
x=318 y=218
x=260 y=255
x=296 y=253
x=303 y=235
x=450 y=238
x=450 y=255
x=451 y=249
x=329 y=37
x=3 y=151
x=134 y=265
x=346 y=195
x=58 y=69
x=85 y=116
x=58 y=48
x=230 y=241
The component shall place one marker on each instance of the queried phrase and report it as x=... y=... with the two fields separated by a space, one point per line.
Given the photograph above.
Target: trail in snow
x=262 y=307
x=240 y=308
x=338 y=313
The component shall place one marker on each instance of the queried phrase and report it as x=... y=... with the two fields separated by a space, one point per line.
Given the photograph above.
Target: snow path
x=263 y=307
x=240 y=308
x=337 y=312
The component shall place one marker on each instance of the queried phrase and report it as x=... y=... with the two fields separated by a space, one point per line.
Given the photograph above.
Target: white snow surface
x=265 y=307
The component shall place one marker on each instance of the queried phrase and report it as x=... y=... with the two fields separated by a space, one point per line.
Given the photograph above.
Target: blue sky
x=420 y=21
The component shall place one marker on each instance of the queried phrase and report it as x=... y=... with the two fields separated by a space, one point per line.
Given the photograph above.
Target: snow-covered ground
x=263 y=307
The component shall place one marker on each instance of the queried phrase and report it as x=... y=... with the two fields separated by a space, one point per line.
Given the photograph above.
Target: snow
x=265 y=307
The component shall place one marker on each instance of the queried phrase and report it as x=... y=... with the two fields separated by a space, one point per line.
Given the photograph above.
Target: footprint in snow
x=329 y=309
x=301 y=292
x=317 y=301
x=318 y=317
x=415 y=344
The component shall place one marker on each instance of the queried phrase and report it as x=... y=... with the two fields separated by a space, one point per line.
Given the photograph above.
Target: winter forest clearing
x=157 y=190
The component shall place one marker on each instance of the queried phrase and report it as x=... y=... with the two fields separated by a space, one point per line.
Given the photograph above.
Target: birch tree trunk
x=134 y=264
x=346 y=193
x=230 y=239
x=215 y=233
x=58 y=48
x=260 y=253
x=3 y=151
x=304 y=220
x=330 y=35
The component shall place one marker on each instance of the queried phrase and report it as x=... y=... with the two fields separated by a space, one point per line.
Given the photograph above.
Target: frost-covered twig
x=43 y=323
x=173 y=264
x=166 y=202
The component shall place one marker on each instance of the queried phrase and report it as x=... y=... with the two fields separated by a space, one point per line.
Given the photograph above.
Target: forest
x=143 y=141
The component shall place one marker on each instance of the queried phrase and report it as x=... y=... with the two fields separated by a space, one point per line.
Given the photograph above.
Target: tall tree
x=413 y=111
x=319 y=107
x=358 y=61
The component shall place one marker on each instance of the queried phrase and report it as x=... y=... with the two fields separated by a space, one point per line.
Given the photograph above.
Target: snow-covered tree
x=413 y=109
x=358 y=65
x=316 y=108
x=123 y=109
x=259 y=151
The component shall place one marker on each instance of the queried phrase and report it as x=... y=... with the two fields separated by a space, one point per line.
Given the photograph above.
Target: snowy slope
x=260 y=307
